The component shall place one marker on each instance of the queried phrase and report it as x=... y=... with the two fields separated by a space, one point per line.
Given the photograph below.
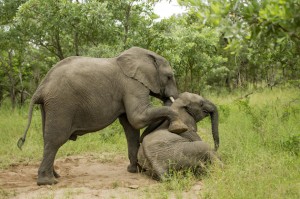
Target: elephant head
x=150 y=69
x=198 y=108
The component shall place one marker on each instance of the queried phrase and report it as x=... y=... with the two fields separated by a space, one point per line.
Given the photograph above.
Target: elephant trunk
x=170 y=90
x=214 y=116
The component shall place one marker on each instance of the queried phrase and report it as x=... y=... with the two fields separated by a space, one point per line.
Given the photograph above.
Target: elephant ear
x=141 y=64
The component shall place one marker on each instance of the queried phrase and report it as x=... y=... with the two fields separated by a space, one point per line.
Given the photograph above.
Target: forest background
x=215 y=46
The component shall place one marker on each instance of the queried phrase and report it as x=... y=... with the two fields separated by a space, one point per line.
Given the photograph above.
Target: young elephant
x=162 y=150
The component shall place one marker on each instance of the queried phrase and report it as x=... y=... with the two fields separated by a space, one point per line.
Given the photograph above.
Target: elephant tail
x=33 y=101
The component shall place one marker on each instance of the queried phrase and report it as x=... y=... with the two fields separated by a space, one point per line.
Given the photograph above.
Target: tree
x=35 y=34
x=192 y=50
x=63 y=27
x=249 y=31
x=11 y=54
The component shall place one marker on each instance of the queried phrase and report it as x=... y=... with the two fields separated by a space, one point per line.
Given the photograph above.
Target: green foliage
x=224 y=112
x=258 y=38
x=257 y=115
x=35 y=34
x=192 y=52
x=62 y=27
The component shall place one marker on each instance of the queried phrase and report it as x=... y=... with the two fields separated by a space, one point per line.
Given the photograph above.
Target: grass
x=260 y=146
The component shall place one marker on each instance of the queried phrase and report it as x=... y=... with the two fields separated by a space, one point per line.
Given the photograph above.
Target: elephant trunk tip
x=20 y=143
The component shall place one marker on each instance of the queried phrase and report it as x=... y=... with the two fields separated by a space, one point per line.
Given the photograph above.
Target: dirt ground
x=85 y=176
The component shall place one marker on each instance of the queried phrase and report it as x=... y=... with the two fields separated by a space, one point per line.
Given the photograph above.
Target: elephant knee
x=138 y=122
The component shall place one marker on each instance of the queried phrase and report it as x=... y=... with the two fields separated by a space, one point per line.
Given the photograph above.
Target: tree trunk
x=12 y=89
x=126 y=25
x=191 y=77
x=227 y=83
x=186 y=78
x=76 y=43
x=198 y=81
x=59 y=51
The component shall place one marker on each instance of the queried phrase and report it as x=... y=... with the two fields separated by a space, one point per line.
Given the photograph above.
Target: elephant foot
x=177 y=127
x=46 y=181
x=132 y=168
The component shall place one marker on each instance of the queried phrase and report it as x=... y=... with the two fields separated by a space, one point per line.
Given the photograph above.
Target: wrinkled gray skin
x=162 y=150
x=81 y=95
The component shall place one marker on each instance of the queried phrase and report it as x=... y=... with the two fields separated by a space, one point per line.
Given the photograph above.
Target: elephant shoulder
x=83 y=62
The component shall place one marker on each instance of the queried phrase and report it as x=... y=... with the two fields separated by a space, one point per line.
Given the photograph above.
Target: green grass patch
x=260 y=146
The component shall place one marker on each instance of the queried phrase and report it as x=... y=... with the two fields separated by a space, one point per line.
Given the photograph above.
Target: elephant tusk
x=172 y=99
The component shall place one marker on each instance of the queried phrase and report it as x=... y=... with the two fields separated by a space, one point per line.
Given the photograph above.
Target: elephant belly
x=92 y=107
x=95 y=118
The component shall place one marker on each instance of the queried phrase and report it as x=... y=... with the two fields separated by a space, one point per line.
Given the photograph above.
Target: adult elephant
x=162 y=150
x=81 y=95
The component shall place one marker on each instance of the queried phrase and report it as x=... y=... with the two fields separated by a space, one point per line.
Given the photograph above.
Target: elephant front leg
x=142 y=114
x=155 y=113
x=132 y=136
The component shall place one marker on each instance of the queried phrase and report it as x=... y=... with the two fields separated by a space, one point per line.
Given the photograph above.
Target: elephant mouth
x=162 y=97
x=155 y=95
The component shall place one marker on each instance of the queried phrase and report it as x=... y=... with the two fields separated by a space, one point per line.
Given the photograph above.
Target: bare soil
x=84 y=176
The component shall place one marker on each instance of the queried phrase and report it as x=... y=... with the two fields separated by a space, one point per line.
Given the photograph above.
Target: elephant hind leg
x=46 y=173
x=46 y=176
